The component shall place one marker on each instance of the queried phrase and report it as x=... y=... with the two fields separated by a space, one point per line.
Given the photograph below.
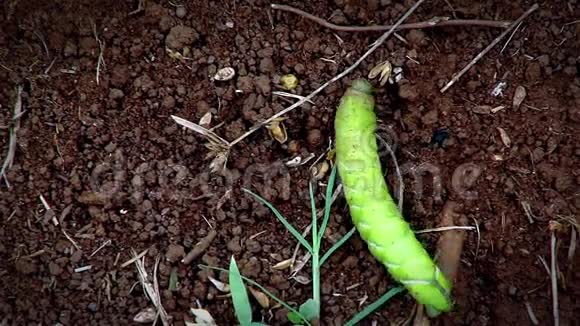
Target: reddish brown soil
x=79 y=140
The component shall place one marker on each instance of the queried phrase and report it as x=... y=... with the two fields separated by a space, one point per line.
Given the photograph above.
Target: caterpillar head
x=363 y=86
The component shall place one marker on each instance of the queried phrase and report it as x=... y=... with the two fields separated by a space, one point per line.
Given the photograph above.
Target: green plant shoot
x=373 y=211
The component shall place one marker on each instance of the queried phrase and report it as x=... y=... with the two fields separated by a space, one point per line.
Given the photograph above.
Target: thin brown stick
x=376 y=44
x=489 y=47
x=431 y=23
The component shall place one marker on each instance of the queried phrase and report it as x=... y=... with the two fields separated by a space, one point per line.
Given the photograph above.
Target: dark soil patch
x=111 y=156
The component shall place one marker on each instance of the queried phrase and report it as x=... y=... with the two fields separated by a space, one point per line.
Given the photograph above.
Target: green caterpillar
x=374 y=213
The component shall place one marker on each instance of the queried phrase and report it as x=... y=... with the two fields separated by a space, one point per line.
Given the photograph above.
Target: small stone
x=92 y=307
x=408 y=92
x=70 y=49
x=110 y=147
x=533 y=72
x=174 y=253
x=168 y=102
x=54 y=269
x=430 y=117
x=116 y=94
x=267 y=65
x=416 y=37
x=234 y=245
x=180 y=37
x=314 y=138
x=180 y=11
x=245 y=84
x=263 y=85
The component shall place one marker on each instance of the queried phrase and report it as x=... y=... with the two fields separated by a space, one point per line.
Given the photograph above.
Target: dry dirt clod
x=481 y=109
x=519 y=96
x=181 y=36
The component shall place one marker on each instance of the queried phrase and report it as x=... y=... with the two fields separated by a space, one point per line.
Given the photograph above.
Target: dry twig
x=15 y=125
x=375 y=45
x=100 y=60
x=152 y=290
x=488 y=48
x=200 y=247
x=431 y=23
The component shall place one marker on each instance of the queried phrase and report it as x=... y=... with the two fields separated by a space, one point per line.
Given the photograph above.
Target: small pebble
x=92 y=307
x=180 y=11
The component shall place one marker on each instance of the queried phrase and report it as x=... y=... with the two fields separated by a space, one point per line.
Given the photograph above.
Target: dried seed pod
x=278 y=130
x=225 y=74
x=505 y=138
x=519 y=96
x=205 y=120
x=261 y=298
x=221 y=286
x=284 y=264
x=289 y=82
x=383 y=70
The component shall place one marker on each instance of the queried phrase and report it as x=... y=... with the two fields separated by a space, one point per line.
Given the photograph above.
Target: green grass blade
x=315 y=243
x=263 y=289
x=337 y=245
x=239 y=295
x=374 y=306
x=279 y=216
x=327 y=204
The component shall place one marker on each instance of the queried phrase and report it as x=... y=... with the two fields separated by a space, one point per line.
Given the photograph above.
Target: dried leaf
x=519 y=96
x=320 y=170
x=261 y=298
x=146 y=316
x=278 y=130
x=383 y=70
x=205 y=120
x=223 y=287
x=302 y=279
x=481 y=109
x=505 y=138
x=203 y=317
x=284 y=264
x=225 y=74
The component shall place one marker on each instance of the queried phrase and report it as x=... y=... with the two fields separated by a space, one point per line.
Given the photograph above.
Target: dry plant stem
x=376 y=44
x=554 y=277
x=200 y=247
x=152 y=290
x=13 y=132
x=450 y=244
x=489 y=47
x=433 y=22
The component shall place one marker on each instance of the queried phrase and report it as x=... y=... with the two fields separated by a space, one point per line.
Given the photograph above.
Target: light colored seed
x=261 y=298
x=519 y=96
x=145 y=316
x=205 y=120
x=289 y=82
x=505 y=138
x=225 y=74
x=278 y=130
x=223 y=287
x=284 y=264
